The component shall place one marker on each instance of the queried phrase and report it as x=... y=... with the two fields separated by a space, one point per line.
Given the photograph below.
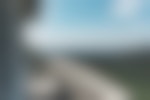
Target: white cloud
x=126 y=8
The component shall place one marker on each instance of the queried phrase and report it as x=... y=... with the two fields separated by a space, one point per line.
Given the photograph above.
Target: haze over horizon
x=104 y=23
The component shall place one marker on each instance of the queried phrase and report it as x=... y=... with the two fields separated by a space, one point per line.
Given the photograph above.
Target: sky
x=99 y=15
x=109 y=23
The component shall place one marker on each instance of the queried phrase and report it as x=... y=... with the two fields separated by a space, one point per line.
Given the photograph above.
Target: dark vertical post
x=11 y=66
x=9 y=52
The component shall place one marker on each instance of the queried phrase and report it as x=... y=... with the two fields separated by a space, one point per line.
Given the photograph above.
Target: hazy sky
x=103 y=23
x=99 y=15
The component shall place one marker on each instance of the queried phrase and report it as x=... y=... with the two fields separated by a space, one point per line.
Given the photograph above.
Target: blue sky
x=100 y=23
x=115 y=15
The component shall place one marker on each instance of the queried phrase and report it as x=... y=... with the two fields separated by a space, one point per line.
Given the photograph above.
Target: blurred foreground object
x=11 y=64
x=80 y=81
